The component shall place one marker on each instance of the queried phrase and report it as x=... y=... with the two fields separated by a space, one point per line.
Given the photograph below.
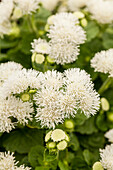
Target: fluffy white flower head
x=48 y=100
x=7 y=162
x=64 y=52
x=27 y=6
x=101 y=10
x=6 y=69
x=14 y=107
x=20 y=81
x=80 y=87
x=40 y=46
x=109 y=135
x=65 y=38
x=103 y=61
x=50 y=4
x=64 y=28
x=6 y=7
x=107 y=157
x=75 y=5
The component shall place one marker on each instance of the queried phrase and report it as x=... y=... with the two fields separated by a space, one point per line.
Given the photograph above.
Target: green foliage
x=87 y=136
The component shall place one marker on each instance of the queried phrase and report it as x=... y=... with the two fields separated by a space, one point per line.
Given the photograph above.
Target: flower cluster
x=75 y=5
x=61 y=96
x=103 y=62
x=57 y=139
x=7 y=162
x=109 y=135
x=65 y=37
x=6 y=7
x=56 y=96
x=107 y=157
x=101 y=10
x=50 y=4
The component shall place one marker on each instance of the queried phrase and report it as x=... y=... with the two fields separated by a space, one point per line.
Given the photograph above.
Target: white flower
x=65 y=37
x=40 y=46
x=63 y=52
x=103 y=61
x=101 y=10
x=48 y=99
x=75 y=5
x=6 y=7
x=50 y=4
x=79 y=85
x=107 y=157
x=8 y=162
x=20 y=81
x=14 y=107
x=6 y=69
x=64 y=28
x=109 y=135
x=27 y=6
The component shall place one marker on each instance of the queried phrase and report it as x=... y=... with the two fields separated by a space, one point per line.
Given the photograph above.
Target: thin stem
x=105 y=85
x=32 y=26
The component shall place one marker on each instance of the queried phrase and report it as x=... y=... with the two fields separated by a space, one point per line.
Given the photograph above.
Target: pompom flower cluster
x=103 y=62
x=56 y=95
x=7 y=162
x=14 y=9
x=65 y=37
x=101 y=10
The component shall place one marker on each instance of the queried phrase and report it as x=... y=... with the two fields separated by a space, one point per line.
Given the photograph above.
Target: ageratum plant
x=56 y=85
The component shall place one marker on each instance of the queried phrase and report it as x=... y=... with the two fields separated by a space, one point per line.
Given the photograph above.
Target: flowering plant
x=56 y=84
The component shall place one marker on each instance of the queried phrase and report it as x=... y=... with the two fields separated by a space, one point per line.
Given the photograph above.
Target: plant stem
x=32 y=25
x=105 y=85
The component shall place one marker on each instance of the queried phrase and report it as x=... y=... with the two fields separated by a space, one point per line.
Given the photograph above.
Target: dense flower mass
x=6 y=7
x=101 y=10
x=16 y=108
x=6 y=69
x=107 y=157
x=27 y=6
x=80 y=88
x=75 y=5
x=21 y=81
x=103 y=61
x=50 y=4
x=61 y=95
x=65 y=37
x=109 y=135
x=40 y=46
x=8 y=162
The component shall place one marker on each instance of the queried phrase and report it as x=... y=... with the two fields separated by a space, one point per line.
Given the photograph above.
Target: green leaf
x=42 y=168
x=62 y=166
x=74 y=142
x=88 y=127
x=92 y=30
x=22 y=140
x=87 y=156
x=36 y=155
x=79 y=119
x=101 y=122
x=17 y=56
x=7 y=43
x=50 y=156
x=107 y=40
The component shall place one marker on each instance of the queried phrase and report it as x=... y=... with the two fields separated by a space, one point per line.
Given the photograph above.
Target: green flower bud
x=69 y=124
x=17 y=13
x=50 y=60
x=97 y=166
x=51 y=145
x=48 y=136
x=110 y=116
x=62 y=145
x=25 y=97
x=104 y=104
x=38 y=58
x=84 y=22
x=58 y=135
x=79 y=14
